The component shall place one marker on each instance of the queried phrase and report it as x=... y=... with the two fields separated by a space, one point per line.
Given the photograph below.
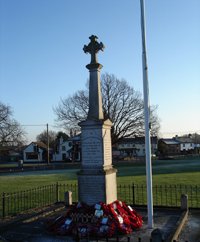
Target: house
x=186 y=144
x=35 y=152
x=168 y=147
x=67 y=150
x=10 y=153
x=177 y=146
x=135 y=147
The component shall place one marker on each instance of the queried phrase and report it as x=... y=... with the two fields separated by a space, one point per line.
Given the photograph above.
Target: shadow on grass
x=160 y=167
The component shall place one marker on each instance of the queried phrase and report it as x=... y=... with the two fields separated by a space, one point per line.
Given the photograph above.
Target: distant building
x=67 y=150
x=168 y=147
x=10 y=153
x=177 y=146
x=186 y=144
x=135 y=147
x=35 y=152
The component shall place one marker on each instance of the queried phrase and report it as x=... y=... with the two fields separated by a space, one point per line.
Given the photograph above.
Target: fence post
x=3 y=204
x=68 y=198
x=133 y=190
x=184 y=202
x=57 y=192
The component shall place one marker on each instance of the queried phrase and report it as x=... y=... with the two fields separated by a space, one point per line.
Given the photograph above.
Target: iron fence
x=135 y=194
x=14 y=203
x=167 y=195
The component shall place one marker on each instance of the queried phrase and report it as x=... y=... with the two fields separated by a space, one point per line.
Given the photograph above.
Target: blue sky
x=41 y=56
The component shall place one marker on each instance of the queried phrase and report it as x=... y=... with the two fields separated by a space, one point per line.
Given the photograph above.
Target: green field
x=185 y=172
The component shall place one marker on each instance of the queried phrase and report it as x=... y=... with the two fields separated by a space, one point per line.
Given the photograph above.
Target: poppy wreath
x=99 y=220
x=126 y=218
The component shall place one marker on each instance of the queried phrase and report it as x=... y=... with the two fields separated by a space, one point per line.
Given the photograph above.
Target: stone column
x=97 y=177
x=95 y=97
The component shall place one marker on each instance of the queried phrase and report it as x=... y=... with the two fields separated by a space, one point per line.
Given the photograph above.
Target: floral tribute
x=100 y=220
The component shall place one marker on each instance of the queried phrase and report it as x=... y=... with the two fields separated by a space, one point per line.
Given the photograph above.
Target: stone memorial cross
x=93 y=48
x=95 y=97
x=97 y=177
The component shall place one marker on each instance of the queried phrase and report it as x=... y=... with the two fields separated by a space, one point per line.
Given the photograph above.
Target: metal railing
x=163 y=195
x=167 y=195
x=14 y=203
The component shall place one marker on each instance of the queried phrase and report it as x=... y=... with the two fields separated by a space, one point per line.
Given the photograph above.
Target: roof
x=75 y=138
x=16 y=149
x=39 y=144
x=138 y=140
x=170 y=141
x=70 y=139
x=184 y=139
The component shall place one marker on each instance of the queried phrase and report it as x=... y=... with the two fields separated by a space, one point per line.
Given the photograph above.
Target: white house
x=35 y=152
x=62 y=150
x=68 y=149
x=135 y=147
x=186 y=144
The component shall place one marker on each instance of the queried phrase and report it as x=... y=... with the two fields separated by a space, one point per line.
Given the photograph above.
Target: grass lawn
x=185 y=172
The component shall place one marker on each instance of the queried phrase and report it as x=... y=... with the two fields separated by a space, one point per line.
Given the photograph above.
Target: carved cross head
x=93 y=48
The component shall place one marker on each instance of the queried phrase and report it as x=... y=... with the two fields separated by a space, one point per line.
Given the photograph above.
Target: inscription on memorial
x=96 y=187
x=107 y=147
x=91 y=151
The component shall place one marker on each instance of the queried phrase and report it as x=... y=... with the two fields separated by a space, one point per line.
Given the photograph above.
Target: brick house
x=169 y=147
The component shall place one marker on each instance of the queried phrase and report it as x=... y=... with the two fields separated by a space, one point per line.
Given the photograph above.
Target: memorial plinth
x=97 y=177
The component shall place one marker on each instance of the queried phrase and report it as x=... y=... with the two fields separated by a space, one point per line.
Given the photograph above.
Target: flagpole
x=147 y=120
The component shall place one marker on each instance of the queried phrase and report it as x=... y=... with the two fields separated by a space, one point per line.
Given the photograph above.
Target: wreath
x=99 y=220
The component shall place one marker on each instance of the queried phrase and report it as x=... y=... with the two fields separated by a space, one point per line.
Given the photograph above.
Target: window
x=63 y=148
x=35 y=148
x=31 y=156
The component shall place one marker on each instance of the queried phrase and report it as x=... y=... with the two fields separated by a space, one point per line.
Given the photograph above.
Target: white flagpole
x=147 y=120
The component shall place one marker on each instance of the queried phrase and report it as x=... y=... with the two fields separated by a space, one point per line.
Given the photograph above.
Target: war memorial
x=98 y=215
x=97 y=178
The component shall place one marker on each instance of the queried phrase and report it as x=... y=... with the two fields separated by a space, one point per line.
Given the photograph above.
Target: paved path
x=191 y=230
x=34 y=229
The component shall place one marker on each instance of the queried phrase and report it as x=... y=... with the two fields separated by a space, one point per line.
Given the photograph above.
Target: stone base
x=97 y=186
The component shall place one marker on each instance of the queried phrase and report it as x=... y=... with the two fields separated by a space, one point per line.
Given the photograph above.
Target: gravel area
x=191 y=230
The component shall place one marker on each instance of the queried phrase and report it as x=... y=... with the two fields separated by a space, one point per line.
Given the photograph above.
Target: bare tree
x=42 y=137
x=63 y=135
x=11 y=132
x=121 y=104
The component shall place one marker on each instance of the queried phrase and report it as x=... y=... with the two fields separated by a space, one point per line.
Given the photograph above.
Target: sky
x=42 y=58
